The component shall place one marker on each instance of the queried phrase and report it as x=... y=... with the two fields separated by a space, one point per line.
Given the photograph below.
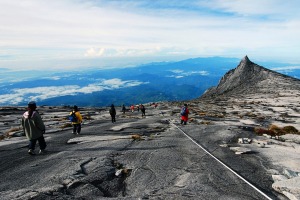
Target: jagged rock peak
x=245 y=61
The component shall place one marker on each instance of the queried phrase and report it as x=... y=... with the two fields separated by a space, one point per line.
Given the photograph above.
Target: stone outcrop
x=290 y=187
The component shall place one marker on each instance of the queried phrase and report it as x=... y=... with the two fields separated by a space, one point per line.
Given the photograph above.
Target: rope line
x=239 y=176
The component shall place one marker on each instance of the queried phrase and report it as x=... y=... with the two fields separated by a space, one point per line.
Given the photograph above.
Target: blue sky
x=56 y=34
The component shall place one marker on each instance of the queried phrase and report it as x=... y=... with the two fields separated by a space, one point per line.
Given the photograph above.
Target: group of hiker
x=113 y=113
x=34 y=127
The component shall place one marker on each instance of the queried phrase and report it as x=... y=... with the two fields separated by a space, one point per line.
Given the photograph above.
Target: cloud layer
x=181 y=74
x=74 y=33
x=20 y=95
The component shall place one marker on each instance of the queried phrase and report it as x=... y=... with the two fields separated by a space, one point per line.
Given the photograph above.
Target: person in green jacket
x=34 y=128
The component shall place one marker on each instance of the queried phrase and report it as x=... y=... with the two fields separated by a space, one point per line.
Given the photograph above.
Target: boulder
x=290 y=188
x=240 y=150
x=244 y=140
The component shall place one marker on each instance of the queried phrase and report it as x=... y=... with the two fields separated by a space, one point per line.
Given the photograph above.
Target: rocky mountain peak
x=249 y=77
x=245 y=60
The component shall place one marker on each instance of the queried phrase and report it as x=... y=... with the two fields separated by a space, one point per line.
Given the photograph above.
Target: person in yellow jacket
x=34 y=128
x=77 y=124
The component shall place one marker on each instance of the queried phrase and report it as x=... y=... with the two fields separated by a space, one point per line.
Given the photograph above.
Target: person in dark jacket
x=112 y=112
x=123 y=109
x=143 y=109
x=34 y=128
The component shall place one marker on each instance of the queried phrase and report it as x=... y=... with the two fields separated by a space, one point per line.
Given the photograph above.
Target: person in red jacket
x=132 y=108
x=184 y=114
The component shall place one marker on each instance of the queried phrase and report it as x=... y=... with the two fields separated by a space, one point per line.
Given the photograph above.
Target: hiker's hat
x=31 y=104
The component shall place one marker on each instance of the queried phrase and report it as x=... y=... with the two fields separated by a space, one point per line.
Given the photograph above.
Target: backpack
x=183 y=111
x=72 y=117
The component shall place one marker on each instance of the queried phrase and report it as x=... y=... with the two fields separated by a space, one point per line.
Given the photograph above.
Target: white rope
x=222 y=163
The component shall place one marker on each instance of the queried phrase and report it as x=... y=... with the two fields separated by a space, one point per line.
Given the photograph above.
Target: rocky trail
x=135 y=157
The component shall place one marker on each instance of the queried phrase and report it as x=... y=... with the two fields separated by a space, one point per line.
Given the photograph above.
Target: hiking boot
x=31 y=152
x=42 y=151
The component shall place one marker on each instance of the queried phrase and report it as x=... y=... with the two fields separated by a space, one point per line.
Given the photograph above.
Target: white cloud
x=53 y=78
x=256 y=7
x=286 y=68
x=93 y=52
x=176 y=71
x=203 y=73
x=180 y=73
x=11 y=99
x=35 y=31
x=175 y=76
x=120 y=52
x=41 y=93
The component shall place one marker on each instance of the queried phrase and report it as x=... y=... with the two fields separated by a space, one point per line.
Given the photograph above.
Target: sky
x=72 y=34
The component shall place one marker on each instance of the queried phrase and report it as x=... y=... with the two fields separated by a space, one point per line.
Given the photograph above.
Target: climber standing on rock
x=123 y=109
x=184 y=114
x=76 y=119
x=143 y=109
x=34 y=128
x=112 y=112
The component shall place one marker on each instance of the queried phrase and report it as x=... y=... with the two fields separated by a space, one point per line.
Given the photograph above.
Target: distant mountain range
x=153 y=82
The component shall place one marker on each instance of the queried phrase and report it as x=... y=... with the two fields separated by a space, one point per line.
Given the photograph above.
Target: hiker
x=132 y=108
x=123 y=109
x=112 y=112
x=184 y=114
x=34 y=128
x=77 y=122
x=143 y=109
